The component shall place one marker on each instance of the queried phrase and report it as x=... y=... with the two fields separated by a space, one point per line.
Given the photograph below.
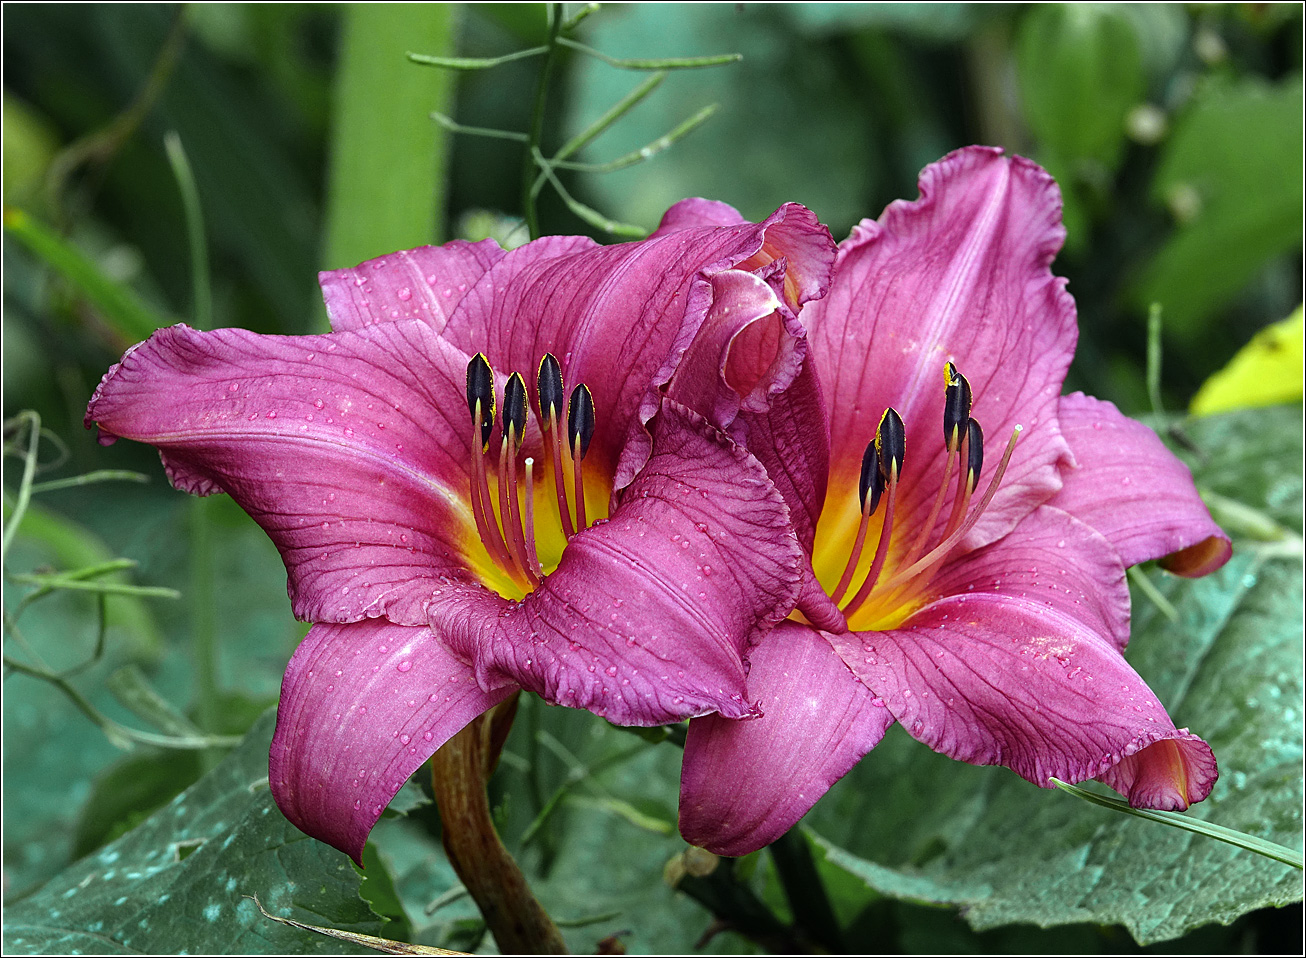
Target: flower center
x=891 y=582
x=504 y=496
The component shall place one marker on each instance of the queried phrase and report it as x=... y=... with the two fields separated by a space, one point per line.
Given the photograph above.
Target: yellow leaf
x=1266 y=371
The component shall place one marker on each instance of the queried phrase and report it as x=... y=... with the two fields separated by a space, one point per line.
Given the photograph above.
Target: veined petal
x=1134 y=491
x=648 y=616
x=792 y=441
x=1055 y=561
x=426 y=283
x=962 y=274
x=746 y=782
x=363 y=705
x=1002 y=680
x=349 y=449
x=619 y=318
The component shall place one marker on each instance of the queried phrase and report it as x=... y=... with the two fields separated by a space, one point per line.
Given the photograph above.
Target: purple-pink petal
x=648 y=616
x=1134 y=491
x=363 y=705
x=995 y=679
x=792 y=441
x=747 y=782
x=349 y=449
x=1054 y=561
x=426 y=283
x=961 y=274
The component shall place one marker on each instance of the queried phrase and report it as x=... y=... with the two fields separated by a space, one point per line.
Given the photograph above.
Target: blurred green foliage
x=1175 y=132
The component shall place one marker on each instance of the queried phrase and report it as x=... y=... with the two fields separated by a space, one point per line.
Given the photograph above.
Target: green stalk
x=203 y=595
x=537 y=122
x=386 y=184
x=805 y=891
x=1221 y=834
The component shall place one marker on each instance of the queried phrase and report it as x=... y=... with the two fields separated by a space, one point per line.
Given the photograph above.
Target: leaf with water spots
x=915 y=826
x=177 y=883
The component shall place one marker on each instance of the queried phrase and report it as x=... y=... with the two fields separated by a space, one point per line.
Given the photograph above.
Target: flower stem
x=805 y=891
x=537 y=121
x=459 y=771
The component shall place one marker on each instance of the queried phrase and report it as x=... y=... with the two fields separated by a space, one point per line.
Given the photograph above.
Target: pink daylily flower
x=991 y=623
x=445 y=558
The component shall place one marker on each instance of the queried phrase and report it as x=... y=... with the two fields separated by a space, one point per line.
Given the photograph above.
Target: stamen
x=891 y=449
x=975 y=458
x=549 y=384
x=580 y=430
x=486 y=526
x=956 y=412
x=869 y=488
x=480 y=389
x=956 y=406
x=940 y=552
x=961 y=501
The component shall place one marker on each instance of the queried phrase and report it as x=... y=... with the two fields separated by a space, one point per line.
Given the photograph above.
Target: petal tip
x=1200 y=558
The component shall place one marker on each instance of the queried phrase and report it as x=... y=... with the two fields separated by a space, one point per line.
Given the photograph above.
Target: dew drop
x=404 y=666
x=404 y=294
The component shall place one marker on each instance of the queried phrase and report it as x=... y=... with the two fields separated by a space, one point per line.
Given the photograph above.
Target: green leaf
x=177 y=882
x=127 y=793
x=1236 y=206
x=1081 y=70
x=388 y=158
x=1230 y=668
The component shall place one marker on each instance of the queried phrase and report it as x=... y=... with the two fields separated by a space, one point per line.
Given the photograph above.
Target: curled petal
x=962 y=274
x=349 y=449
x=696 y=211
x=648 y=616
x=426 y=283
x=999 y=680
x=746 y=782
x=1136 y=492
x=792 y=441
x=363 y=705
x=792 y=235
x=1170 y=773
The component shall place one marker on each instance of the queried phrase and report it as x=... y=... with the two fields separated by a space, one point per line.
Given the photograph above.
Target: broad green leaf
x=388 y=158
x=1232 y=172
x=1230 y=668
x=1081 y=70
x=178 y=882
x=1266 y=371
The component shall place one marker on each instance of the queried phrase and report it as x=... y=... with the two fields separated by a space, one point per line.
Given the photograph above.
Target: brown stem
x=459 y=771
